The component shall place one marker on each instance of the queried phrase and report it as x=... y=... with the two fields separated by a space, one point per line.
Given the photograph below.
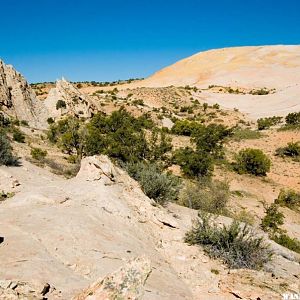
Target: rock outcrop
x=17 y=99
x=75 y=102
x=126 y=283
x=69 y=233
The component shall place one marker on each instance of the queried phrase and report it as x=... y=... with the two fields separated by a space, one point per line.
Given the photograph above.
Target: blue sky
x=110 y=40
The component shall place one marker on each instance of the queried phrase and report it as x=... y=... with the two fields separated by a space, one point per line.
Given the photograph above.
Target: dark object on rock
x=46 y=289
x=1 y=239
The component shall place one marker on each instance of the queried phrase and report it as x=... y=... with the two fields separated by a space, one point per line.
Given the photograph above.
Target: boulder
x=97 y=167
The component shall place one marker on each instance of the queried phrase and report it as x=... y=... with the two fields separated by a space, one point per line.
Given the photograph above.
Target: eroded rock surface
x=76 y=103
x=17 y=99
x=70 y=233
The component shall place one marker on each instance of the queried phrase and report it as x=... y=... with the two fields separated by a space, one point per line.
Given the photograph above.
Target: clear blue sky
x=112 y=39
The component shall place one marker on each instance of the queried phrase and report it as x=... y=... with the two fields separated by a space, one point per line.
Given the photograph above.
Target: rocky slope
x=243 y=68
x=261 y=66
x=68 y=233
x=17 y=99
x=76 y=102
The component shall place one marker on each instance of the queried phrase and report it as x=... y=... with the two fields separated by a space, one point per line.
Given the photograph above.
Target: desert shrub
x=292 y=149
x=244 y=217
x=161 y=187
x=207 y=195
x=4 y=121
x=265 y=123
x=252 y=161
x=159 y=145
x=263 y=91
x=6 y=156
x=67 y=134
x=18 y=135
x=193 y=163
x=288 y=198
x=60 y=104
x=293 y=118
x=245 y=134
x=138 y=102
x=216 y=106
x=185 y=127
x=4 y=195
x=210 y=139
x=122 y=136
x=236 y=245
x=38 y=153
x=287 y=242
x=188 y=109
x=50 y=121
x=24 y=123
x=272 y=220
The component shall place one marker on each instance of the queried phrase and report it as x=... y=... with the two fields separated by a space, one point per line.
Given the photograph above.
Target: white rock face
x=77 y=103
x=66 y=234
x=17 y=99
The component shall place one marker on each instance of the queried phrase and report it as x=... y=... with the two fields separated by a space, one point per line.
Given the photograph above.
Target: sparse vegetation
x=252 y=161
x=245 y=134
x=287 y=242
x=293 y=118
x=266 y=123
x=288 y=198
x=236 y=245
x=206 y=195
x=272 y=220
x=292 y=149
x=161 y=187
x=60 y=104
x=4 y=196
x=18 y=135
x=6 y=156
x=38 y=154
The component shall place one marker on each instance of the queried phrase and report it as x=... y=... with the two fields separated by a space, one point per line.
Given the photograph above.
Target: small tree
x=60 y=104
x=194 y=163
x=272 y=220
x=293 y=118
x=252 y=161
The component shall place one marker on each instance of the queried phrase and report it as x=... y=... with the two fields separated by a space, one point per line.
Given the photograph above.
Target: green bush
x=38 y=153
x=265 y=123
x=272 y=220
x=18 y=135
x=161 y=187
x=252 y=161
x=263 y=91
x=207 y=195
x=292 y=149
x=185 y=127
x=245 y=134
x=236 y=245
x=6 y=156
x=210 y=139
x=194 y=163
x=4 y=121
x=293 y=118
x=288 y=198
x=285 y=241
x=24 y=123
x=50 y=121
x=60 y=104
